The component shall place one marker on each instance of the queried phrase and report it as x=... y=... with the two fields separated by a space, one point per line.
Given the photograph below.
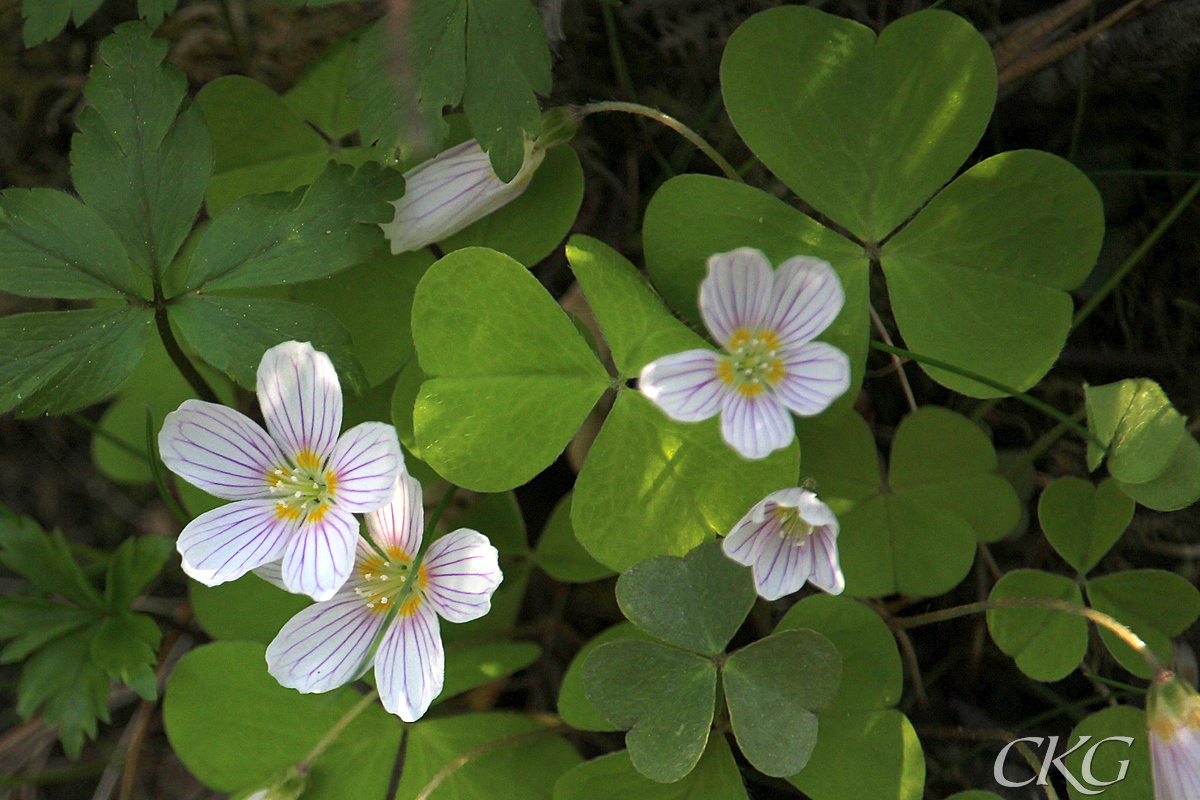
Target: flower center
x=391 y=582
x=792 y=527
x=753 y=363
x=304 y=491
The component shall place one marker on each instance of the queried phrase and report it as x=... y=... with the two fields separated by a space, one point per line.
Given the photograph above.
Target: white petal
x=227 y=542
x=826 y=571
x=219 y=450
x=815 y=375
x=410 y=664
x=1176 y=766
x=325 y=645
x=449 y=192
x=686 y=386
x=318 y=558
x=459 y=573
x=366 y=462
x=781 y=567
x=272 y=573
x=301 y=398
x=400 y=523
x=808 y=297
x=736 y=293
x=756 y=426
x=748 y=537
x=811 y=509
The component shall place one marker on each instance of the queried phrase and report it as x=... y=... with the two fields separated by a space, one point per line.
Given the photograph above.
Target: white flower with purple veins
x=296 y=486
x=1173 y=720
x=329 y=643
x=450 y=191
x=788 y=538
x=771 y=368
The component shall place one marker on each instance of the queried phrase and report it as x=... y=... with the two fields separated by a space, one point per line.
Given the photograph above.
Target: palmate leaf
x=143 y=156
x=44 y=19
x=64 y=684
x=490 y=55
x=716 y=777
x=57 y=361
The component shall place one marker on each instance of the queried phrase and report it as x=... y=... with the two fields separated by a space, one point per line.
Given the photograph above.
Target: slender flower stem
x=339 y=726
x=440 y=509
x=484 y=749
x=185 y=367
x=1029 y=400
x=1136 y=256
x=1100 y=618
x=670 y=122
x=882 y=330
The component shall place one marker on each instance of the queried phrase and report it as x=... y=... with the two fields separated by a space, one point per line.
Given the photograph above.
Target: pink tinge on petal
x=219 y=450
x=401 y=522
x=751 y=532
x=451 y=191
x=755 y=426
x=319 y=556
x=227 y=542
x=736 y=293
x=365 y=463
x=410 y=665
x=781 y=567
x=808 y=296
x=826 y=570
x=325 y=645
x=301 y=399
x=461 y=571
x=815 y=375
x=1176 y=766
x=686 y=386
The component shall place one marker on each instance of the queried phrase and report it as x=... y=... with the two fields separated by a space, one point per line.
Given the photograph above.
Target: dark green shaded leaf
x=138 y=160
x=45 y=19
x=124 y=646
x=696 y=602
x=469 y=667
x=135 y=563
x=32 y=623
x=1155 y=604
x=61 y=682
x=573 y=704
x=773 y=686
x=54 y=246
x=45 y=560
x=662 y=695
x=716 y=777
x=864 y=129
x=1047 y=645
x=266 y=240
x=234 y=726
x=524 y=770
x=222 y=610
x=261 y=145
x=232 y=333
x=1083 y=521
x=321 y=96
x=57 y=361
x=977 y=278
x=510 y=380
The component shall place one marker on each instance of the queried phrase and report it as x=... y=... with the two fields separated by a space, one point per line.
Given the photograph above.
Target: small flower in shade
x=450 y=191
x=1173 y=720
x=295 y=489
x=393 y=592
x=788 y=538
x=766 y=322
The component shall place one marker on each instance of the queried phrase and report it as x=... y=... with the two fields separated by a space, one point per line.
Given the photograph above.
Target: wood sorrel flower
x=1173 y=720
x=788 y=538
x=766 y=323
x=296 y=489
x=450 y=191
x=329 y=643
